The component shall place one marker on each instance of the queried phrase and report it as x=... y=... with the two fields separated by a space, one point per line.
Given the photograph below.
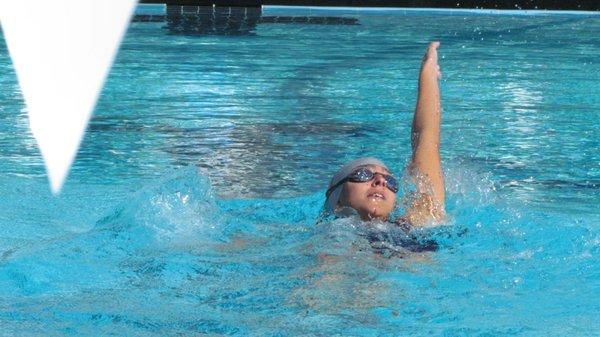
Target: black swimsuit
x=399 y=242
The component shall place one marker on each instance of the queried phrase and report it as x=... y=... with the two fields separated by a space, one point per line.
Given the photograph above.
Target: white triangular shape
x=62 y=51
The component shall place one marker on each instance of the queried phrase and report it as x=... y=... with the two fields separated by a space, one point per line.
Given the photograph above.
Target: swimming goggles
x=362 y=175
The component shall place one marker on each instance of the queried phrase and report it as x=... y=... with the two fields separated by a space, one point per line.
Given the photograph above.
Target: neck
x=368 y=217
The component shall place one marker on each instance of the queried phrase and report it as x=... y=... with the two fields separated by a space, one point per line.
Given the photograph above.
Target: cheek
x=392 y=201
x=351 y=195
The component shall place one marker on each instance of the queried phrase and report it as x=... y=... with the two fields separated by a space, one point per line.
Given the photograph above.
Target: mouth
x=376 y=195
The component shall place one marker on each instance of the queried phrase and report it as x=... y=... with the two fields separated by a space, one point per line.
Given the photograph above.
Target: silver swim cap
x=334 y=197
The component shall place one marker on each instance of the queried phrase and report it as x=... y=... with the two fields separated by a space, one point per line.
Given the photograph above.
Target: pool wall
x=587 y=5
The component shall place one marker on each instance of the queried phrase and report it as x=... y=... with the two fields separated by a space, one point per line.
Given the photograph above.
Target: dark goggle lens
x=361 y=175
x=364 y=174
x=392 y=183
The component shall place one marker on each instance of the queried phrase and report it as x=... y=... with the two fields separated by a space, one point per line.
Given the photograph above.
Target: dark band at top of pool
x=581 y=5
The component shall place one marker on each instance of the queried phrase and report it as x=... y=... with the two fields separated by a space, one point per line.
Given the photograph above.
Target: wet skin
x=371 y=199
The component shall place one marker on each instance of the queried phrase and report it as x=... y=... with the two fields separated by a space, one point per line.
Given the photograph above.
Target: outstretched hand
x=430 y=60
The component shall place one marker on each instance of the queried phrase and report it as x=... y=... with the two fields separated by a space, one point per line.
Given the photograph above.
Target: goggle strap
x=332 y=188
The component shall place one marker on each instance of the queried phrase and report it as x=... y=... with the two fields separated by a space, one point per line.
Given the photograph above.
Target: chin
x=377 y=214
x=382 y=216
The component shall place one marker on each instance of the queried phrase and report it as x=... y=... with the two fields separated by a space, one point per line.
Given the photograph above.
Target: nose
x=379 y=180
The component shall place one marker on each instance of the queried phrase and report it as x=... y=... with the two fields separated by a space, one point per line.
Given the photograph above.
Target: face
x=371 y=199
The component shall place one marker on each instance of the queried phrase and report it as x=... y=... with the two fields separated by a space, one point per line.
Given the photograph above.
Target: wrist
x=430 y=69
x=429 y=66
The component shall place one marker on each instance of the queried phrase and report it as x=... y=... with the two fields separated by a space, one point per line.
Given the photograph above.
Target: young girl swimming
x=366 y=186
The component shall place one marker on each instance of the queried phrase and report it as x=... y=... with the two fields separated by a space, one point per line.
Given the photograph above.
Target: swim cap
x=333 y=199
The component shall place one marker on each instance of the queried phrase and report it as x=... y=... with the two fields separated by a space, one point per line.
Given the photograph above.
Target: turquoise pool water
x=191 y=207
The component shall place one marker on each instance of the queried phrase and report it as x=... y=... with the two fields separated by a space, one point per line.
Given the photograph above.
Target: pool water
x=192 y=206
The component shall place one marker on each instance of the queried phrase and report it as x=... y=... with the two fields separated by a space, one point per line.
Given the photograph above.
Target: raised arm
x=428 y=203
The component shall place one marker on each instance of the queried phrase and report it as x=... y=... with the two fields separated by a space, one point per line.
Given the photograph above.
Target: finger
x=432 y=49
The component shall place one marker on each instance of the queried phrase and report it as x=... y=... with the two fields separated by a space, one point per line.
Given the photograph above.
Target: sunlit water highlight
x=192 y=207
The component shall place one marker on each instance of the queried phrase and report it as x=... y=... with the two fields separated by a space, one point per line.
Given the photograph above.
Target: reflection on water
x=259 y=159
x=278 y=113
x=524 y=128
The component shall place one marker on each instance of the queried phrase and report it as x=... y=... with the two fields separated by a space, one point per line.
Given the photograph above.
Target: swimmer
x=366 y=186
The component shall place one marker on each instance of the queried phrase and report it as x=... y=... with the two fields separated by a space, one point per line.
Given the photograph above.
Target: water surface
x=192 y=205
